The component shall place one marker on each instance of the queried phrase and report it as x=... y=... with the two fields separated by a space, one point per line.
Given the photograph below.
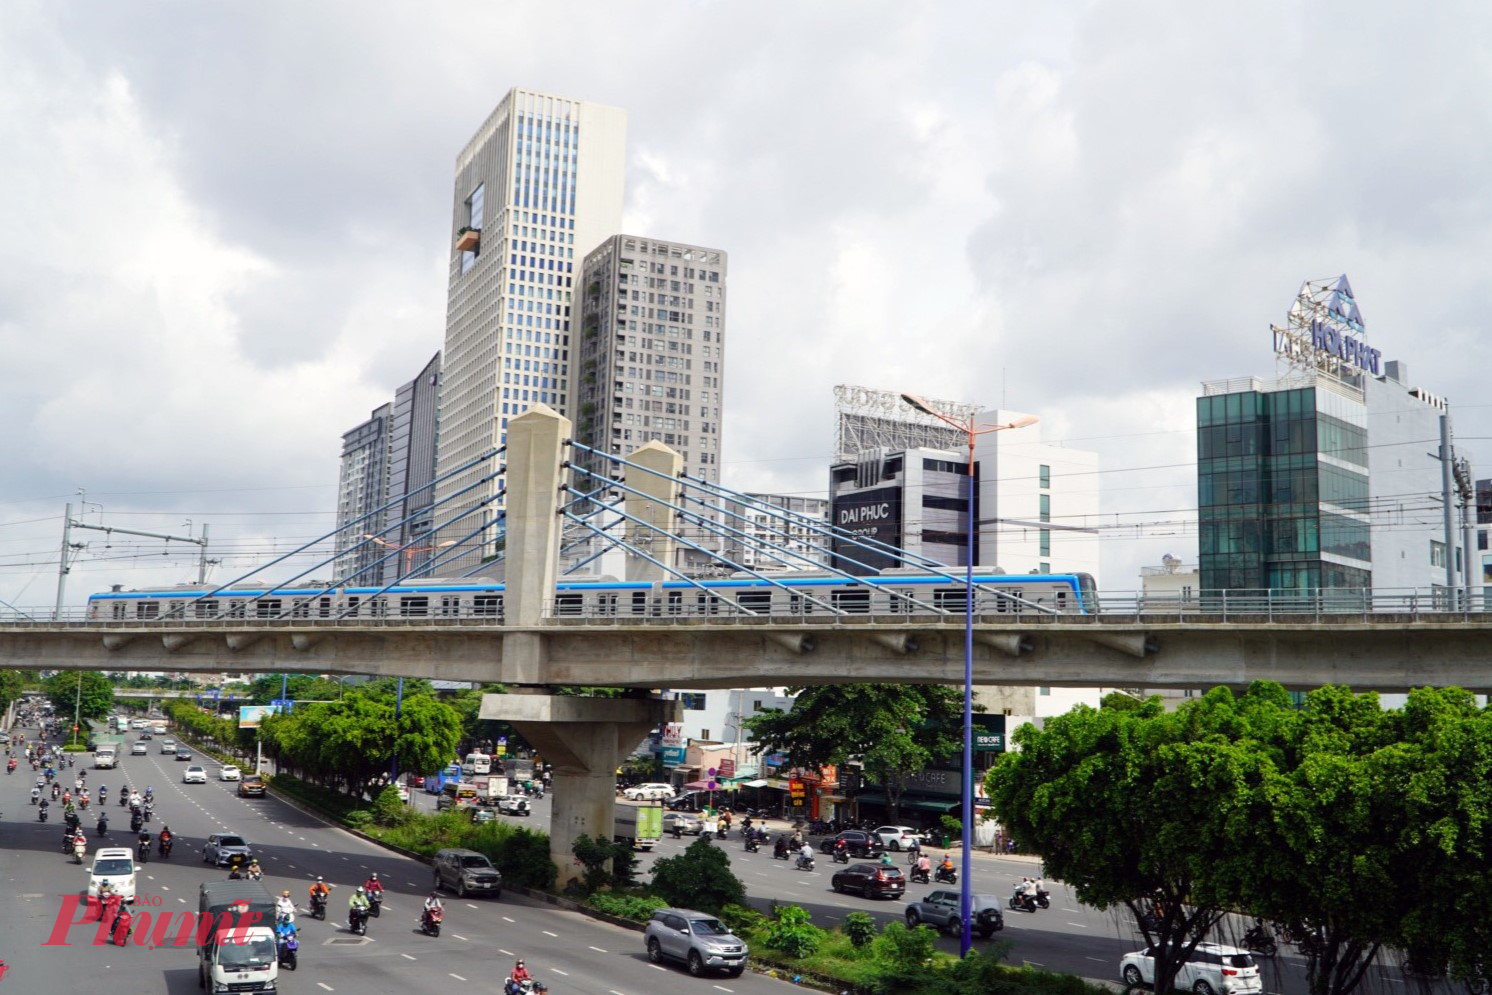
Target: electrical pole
x=63 y=564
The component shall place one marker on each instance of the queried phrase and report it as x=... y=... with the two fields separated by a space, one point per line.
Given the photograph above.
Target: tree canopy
x=96 y=699
x=895 y=729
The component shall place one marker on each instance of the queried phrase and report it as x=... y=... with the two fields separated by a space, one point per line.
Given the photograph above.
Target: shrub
x=359 y=820
x=742 y=919
x=903 y=954
x=698 y=878
x=792 y=933
x=638 y=908
x=860 y=927
x=388 y=810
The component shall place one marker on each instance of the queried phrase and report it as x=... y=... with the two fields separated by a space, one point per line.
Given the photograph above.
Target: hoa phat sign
x=1325 y=331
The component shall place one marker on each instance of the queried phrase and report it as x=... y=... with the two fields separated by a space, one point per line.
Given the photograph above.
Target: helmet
x=359 y=889
x=318 y=879
x=373 y=876
x=285 y=893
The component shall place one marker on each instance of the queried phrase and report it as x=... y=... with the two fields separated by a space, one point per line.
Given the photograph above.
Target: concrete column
x=652 y=507
x=535 y=451
x=585 y=739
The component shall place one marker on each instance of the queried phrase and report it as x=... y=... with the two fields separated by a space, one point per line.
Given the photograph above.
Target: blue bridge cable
x=871 y=545
x=224 y=588
x=684 y=577
x=711 y=553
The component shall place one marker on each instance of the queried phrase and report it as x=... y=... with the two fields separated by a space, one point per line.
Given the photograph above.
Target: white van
x=477 y=763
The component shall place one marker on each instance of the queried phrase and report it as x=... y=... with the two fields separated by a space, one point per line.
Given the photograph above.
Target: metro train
x=904 y=591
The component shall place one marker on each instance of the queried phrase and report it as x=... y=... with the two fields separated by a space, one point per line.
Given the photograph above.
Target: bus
x=477 y=763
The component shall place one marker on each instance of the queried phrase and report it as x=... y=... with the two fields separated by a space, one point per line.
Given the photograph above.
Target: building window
x=1044 y=567
x=1044 y=692
x=1046 y=542
x=1044 y=476
x=1437 y=553
x=704 y=734
x=1046 y=507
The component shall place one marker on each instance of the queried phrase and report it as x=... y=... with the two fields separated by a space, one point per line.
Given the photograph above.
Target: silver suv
x=940 y=909
x=698 y=939
x=467 y=872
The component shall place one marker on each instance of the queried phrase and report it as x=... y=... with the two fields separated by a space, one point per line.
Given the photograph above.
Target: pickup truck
x=238 y=953
x=940 y=910
x=639 y=825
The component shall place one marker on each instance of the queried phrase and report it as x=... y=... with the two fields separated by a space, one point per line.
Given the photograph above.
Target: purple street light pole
x=972 y=430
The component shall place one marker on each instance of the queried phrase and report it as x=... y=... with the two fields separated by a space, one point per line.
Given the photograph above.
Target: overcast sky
x=225 y=226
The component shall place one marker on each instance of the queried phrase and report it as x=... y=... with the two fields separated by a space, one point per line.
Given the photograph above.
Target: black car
x=870 y=880
x=859 y=844
x=182 y=753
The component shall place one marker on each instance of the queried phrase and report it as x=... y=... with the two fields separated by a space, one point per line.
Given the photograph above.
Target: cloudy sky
x=225 y=228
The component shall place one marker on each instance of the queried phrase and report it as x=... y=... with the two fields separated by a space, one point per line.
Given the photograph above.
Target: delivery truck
x=639 y=825
x=237 y=952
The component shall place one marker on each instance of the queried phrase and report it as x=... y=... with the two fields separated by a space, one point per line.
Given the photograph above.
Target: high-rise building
x=383 y=488
x=1329 y=478
x=362 y=490
x=537 y=186
x=651 y=357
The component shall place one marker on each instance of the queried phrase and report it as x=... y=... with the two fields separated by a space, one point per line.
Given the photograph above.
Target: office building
x=537 y=186
x=1036 y=504
x=1331 y=477
x=1484 y=538
x=383 y=488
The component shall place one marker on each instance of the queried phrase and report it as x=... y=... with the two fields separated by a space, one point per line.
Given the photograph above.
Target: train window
x=951 y=599
x=799 y=605
x=206 y=609
x=709 y=604
x=324 y=607
x=568 y=604
x=675 y=602
x=354 y=605
x=1012 y=602
x=414 y=606
x=856 y=601
x=759 y=602
x=1060 y=598
x=378 y=607
x=267 y=608
x=639 y=602
x=120 y=609
x=450 y=604
x=487 y=604
x=235 y=609
x=147 y=609
x=300 y=607
x=606 y=604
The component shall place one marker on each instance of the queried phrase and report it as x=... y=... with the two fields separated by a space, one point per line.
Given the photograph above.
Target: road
x=569 y=952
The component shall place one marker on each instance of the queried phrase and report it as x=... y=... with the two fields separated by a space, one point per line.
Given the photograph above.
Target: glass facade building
x=1282 y=487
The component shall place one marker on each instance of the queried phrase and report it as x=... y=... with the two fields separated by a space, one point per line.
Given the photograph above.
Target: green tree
x=894 y=729
x=96 y=700
x=12 y=683
x=699 y=878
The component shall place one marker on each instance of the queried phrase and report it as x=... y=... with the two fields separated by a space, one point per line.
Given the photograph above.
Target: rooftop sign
x=1325 y=332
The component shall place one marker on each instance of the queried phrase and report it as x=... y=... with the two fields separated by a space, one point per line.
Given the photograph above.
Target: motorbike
x=10 y=766
x=142 y=851
x=1021 y=901
x=165 y=848
x=287 y=943
x=41 y=812
x=1259 y=940
x=1044 y=898
x=752 y=844
x=945 y=875
x=35 y=795
x=318 y=906
x=511 y=987
x=83 y=802
x=103 y=825
x=840 y=855
x=919 y=876
x=804 y=863
x=56 y=791
x=779 y=850
x=146 y=814
x=78 y=849
x=430 y=922
x=124 y=799
x=357 y=921
x=136 y=822
x=67 y=841
x=375 y=904
x=124 y=922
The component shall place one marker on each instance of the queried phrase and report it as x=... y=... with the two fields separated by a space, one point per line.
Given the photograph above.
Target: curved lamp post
x=972 y=430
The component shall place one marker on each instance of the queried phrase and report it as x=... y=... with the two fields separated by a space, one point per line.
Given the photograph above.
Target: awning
x=697 y=786
x=758 y=783
x=916 y=804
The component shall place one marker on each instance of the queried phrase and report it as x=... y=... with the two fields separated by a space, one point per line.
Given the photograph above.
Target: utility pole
x=64 y=564
x=1445 y=494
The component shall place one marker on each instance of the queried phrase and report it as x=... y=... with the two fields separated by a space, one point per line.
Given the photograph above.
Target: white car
x=513 y=805
x=895 y=837
x=168 y=746
x=116 y=865
x=1213 y=969
x=648 y=792
x=229 y=773
x=404 y=794
x=194 y=775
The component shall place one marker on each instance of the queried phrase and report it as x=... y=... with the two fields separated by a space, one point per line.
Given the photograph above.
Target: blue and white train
x=907 y=591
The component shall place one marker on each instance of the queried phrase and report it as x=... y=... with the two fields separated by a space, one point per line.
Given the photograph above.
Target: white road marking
x=1080 y=925
x=407 y=957
x=655 y=967
x=470 y=906
x=505 y=918
x=598 y=950
x=505 y=953
x=724 y=989
x=323 y=984
x=458 y=977
x=1099 y=959
x=559 y=972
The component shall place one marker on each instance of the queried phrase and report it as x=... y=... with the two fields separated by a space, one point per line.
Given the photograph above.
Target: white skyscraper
x=537 y=187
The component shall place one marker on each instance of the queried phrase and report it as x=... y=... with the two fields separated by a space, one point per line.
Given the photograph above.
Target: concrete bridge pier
x=585 y=739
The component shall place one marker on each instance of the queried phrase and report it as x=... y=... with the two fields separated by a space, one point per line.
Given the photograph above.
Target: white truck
x=491 y=787
x=106 y=756
x=238 y=952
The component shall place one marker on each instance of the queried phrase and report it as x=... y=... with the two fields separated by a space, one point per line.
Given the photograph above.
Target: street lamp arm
x=921 y=405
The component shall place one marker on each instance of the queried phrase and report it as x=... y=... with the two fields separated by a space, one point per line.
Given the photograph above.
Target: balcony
x=468 y=239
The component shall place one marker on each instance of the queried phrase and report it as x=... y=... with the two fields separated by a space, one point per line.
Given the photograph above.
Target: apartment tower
x=538 y=185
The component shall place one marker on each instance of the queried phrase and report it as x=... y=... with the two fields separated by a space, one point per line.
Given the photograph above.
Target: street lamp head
x=918 y=403
x=1022 y=422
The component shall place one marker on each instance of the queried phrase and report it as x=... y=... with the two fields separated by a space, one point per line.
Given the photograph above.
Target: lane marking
x=459 y=937
x=559 y=972
x=724 y=989
x=458 y=977
x=1081 y=925
x=547 y=933
x=505 y=953
x=323 y=984
x=407 y=957
x=598 y=950
x=470 y=906
x=505 y=918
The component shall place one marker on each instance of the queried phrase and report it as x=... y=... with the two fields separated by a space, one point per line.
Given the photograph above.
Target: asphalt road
x=569 y=952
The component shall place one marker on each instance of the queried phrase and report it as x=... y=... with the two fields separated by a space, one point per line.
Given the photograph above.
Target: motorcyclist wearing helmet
x=433 y=903
x=373 y=887
x=284 y=907
x=319 y=890
x=520 y=973
x=359 y=900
